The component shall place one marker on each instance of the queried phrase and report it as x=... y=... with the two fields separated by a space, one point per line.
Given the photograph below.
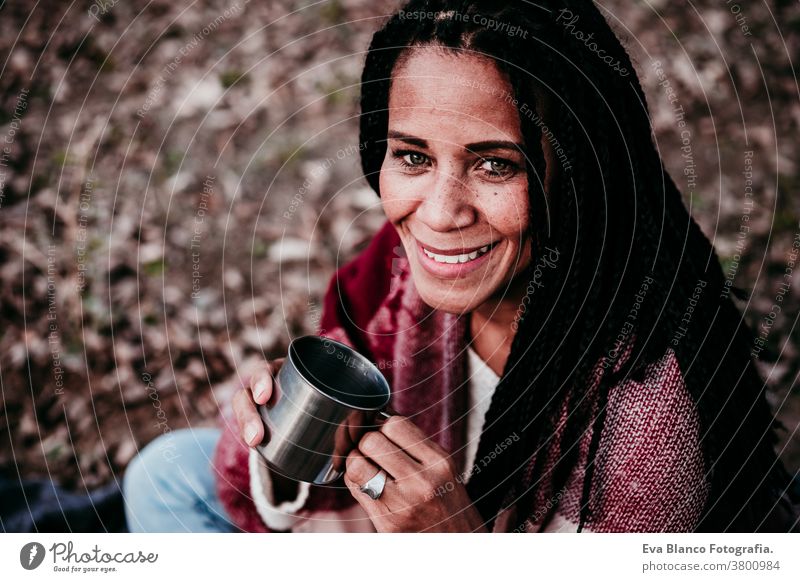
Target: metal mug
x=327 y=396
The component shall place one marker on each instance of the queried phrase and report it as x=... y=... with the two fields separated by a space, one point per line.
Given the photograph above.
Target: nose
x=448 y=204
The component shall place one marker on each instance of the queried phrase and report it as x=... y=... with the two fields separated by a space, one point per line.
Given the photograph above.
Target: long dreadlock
x=617 y=218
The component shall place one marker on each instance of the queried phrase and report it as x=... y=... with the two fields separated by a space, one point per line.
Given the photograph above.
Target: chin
x=449 y=299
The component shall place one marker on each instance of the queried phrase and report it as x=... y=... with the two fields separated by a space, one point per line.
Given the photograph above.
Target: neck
x=492 y=327
x=502 y=309
x=498 y=314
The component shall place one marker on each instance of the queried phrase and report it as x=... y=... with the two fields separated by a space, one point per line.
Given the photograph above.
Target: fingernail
x=250 y=433
x=260 y=388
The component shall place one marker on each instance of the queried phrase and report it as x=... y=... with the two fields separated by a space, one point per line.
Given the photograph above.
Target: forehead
x=435 y=90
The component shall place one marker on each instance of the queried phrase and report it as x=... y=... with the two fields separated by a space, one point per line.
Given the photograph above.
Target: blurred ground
x=181 y=180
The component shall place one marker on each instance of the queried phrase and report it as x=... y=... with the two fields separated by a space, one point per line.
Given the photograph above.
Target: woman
x=533 y=325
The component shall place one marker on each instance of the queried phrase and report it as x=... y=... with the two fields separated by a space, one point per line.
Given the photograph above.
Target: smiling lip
x=450 y=253
x=453 y=270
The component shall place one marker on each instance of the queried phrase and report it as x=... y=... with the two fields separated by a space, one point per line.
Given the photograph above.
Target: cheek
x=507 y=211
x=397 y=196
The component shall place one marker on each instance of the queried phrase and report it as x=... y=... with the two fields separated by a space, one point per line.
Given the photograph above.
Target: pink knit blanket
x=649 y=473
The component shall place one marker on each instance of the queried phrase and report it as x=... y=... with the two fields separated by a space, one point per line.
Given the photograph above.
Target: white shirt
x=282 y=516
x=482 y=382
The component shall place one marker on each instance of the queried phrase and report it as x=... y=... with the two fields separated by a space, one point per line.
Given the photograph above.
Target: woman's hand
x=422 y=493
x=259 y=389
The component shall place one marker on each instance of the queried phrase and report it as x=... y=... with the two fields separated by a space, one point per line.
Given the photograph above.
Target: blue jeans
x=169 y=486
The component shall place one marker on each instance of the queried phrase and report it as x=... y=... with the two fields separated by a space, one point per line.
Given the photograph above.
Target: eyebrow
x=480 y=146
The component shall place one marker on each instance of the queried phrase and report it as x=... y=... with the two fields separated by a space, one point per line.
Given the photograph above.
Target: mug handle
x=387 y=413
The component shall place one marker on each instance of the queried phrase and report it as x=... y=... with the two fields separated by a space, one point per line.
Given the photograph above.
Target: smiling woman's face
x=453 y=182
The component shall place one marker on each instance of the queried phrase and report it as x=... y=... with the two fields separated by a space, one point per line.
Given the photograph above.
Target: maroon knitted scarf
x=648 y=474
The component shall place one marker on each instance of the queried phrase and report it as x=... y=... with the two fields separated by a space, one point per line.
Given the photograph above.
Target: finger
x=372 y=506
x=353 y=487
x=250 y=425
x=349 y=433
x=356 y=427
x=388 y=456
x=408 y=436
x=262 y=383
x=359 y=470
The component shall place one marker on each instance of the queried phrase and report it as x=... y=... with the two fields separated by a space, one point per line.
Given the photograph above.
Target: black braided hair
x=617 y=220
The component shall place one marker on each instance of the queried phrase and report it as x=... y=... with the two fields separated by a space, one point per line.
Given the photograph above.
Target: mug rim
x=359 y=356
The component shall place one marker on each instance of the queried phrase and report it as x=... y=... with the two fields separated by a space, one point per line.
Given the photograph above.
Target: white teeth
x=453 y=259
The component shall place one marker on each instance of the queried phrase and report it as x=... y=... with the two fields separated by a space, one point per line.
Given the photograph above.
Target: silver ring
x=374 y=487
